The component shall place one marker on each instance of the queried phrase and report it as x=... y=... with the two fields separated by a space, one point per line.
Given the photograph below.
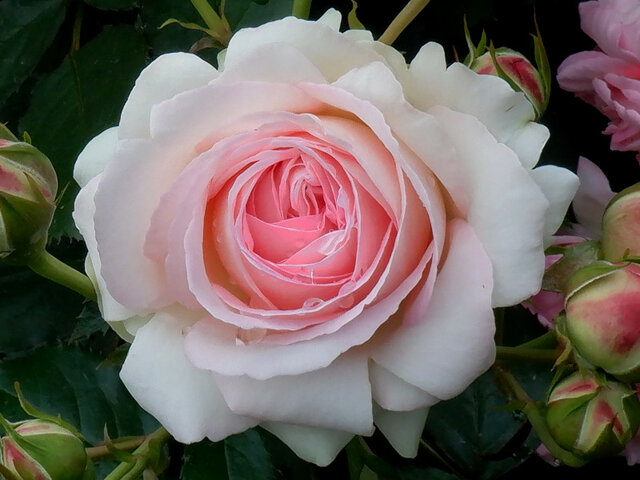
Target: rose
x=312 y=238
x=609 y=77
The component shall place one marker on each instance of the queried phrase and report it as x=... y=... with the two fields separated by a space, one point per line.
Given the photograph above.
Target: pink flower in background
x=609 y=76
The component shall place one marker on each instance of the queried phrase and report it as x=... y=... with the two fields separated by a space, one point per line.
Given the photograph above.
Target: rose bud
x=621 y=225
x=519 y=72
x=40 y=450
x=28 y=186
x=603 y=317
x=591 y=417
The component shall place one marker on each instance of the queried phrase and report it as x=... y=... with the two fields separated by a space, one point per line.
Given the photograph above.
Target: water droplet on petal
x=347 y=301
x=311 y=303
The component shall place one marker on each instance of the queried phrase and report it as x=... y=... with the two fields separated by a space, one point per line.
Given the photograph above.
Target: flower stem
x=125 y=444
x=514 y=391
x=133 y=470
x=547 y=340
x=48 y=266
x=404 y=18
x=507 y=354
x=301 y=8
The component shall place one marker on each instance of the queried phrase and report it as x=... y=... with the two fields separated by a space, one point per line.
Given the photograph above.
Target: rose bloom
x=312 y=237
x=609 y=76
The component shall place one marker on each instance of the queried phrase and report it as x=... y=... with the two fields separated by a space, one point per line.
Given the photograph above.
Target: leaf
x=352 y=17
x=204 y=461
x=27 y=29
x=64 y=381
x=113 y=4
x=247 y=457
x=35 y=311
x=479 y=435
x=239 y=14
x=80 y=99
x=89 y=322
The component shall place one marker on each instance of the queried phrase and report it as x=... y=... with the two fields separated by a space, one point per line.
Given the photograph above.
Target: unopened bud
x=41 y=450
x=518 y=72
x=603 y=317
x=591 y=417
x=621 y=225
x=28 y=187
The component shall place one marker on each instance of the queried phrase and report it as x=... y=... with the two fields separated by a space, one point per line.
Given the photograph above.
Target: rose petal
x=507 y=209
x=163 y=78
x=506 y=114
x=316 y=445
x=184 y=399
x=454 y=344
x=95 y=155
x=592 y=197
x=559 y=186
x=337 y=397
x=332 y=54
x=403 y=430
x=393 y=393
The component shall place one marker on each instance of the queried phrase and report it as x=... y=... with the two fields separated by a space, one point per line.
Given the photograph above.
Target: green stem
x=507 y=354
x=48 y=266
x=126 y=444
x=404 y=18
x=446 y=464
x=131 y=471
x=301 y=8
x=510 y=386
x=547 y=340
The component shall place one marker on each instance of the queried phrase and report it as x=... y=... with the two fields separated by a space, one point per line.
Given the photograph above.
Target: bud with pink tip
x=592 y=417
x=28 y=187
x=603 y=317
x=41 y=450
x=514 y=68
x=621 y=225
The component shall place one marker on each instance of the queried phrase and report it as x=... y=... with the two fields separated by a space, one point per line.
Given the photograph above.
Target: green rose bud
x=41 y=450
x=592 y=418
x=516 y=69
x=603 y=317
x=28 y=187
x=621 y=225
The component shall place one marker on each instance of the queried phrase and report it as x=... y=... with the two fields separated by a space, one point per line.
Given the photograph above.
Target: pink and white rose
x=609 y=76
x=311 y=237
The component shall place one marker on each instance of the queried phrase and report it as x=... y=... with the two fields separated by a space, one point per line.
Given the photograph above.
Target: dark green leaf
x=204 y=461
x=113 y=4
x=248 y=458
x=65 y=381
x=89 y=322
x=80 y=99
x=239 y=13
x=27 y=28
x=35 y=311
x=478 y=434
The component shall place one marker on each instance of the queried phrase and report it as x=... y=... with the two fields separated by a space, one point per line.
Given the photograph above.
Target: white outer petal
x=402 y=429
x=83 y=213
x=95 y=155
x=163 y=78
x=315 y=445
x=559 y=185
x=454 y=343
x=332 y=18
x=185 y=400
